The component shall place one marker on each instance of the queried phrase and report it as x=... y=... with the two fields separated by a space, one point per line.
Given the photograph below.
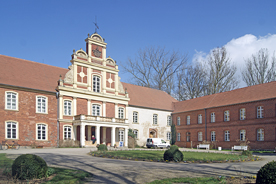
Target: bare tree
x=220 y=73
x=155 y=68
x=191 y=82
x=259 y=69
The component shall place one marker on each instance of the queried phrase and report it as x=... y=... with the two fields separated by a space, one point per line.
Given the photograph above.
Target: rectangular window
x=11 y=101
x=178 y=136
x=213 y=117
x=135 y=133
x=188 y=120
x=260 y=111
x=67 y=132
x=155 y=119
x=135 y=117
x=199 y=119
x=96 y=83
x=227 y=135
x=121 y=113
x=199 y=136
x=260 y=134
x=188 y=136
x=41 y=104
x=67 y=108
x=226 y=116
x=121 y=135
x=168 y=135
x=96 y=110
x=178 y=120
x=242 y=135
x=11 y=130
x=213 y=136
x=242 y=114
x=169 y=120
x=41 y=132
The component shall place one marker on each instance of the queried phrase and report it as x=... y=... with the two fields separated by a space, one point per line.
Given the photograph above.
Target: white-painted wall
x=145 y=123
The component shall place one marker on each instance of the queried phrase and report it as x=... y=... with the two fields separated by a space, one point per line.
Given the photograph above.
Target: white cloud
x=242 y=48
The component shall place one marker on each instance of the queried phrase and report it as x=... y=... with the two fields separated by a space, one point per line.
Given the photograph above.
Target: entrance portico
x=106 y=130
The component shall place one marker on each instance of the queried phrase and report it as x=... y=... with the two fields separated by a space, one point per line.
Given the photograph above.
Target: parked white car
x=157 y=143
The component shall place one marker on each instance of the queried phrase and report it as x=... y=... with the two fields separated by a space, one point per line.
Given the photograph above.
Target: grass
x=61 y=176
x=204 y=180
x=158 y=155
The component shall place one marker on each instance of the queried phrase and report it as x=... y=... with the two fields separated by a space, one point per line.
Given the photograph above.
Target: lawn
x=60 y=176
x=158 y=155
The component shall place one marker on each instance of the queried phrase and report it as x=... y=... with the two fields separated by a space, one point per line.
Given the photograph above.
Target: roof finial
x=126 y=91
x=96 y=25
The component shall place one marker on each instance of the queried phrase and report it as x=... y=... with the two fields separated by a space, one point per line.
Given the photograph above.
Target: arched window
x=41 y=104
x=67 y=107
x=213 y=136
x=67 y=132
x=178 y=136
x=41 y=132
x=199 y=119
x=226 y=116
x=11 y=101
x=11 y=130
x=260 y=112
x=260 y=134
x=227 y=135
x=242 y=114
x=188 y=120
x=135 y=133
x=178 y=120
x=242 y=135
x=199 y=136
x=213 y=117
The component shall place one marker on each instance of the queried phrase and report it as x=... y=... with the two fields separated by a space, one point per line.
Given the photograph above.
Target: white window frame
x=121 y=135
x=121 y=113
x=226 y=135
x=11 y=129
x=226 y=115
x=67 y=132
x=199 y=136
x=96 y=110
x=13 y=100
x=135 y=117
x=135 y=132
x=213 y=135
x=213 y=117
x=155 y=119
x=178 y=136
x=169 y=120
x=41 y=104
x=260 y=112
x=169 y=136
x=242 y=114
x=41 y=125
x=96 y=83
x=188 y=120
x=66 y=110
x=260 y=134
x=242 y=135
x=178 y=120
x=199 y=119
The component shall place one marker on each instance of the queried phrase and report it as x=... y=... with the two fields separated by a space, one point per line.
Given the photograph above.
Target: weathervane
x=96 y=25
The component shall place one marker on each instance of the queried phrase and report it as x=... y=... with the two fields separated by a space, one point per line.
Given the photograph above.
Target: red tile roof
x=148 y=97
x=242 y=95
x=29 y=74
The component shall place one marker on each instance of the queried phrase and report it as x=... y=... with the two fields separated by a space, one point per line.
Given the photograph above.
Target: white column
x=104 y=53
x=89 y=48
x=116 y=84
x=126 y=137
x=82 y=135
x=75 y=68
x=89 y=107
x=75 y=106
x=104 y=109
x=112 y=136
x=104 y=135
x=104 y=81
x=60 y=107
x=126 y=116
x=89 y=79
x=74 y=133
x=116 y=110
x=97 y=131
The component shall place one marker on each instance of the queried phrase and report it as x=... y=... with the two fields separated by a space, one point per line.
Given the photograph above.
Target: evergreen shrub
x=29 y=166
x=247 y=153
x=267 y=173
x=102 y=147
x=173 y=154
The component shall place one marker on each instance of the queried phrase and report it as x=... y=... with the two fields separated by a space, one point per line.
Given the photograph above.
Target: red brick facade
x=250 y=124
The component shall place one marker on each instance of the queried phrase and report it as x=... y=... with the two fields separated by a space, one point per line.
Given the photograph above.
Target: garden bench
x=206 y=146
x=243 y=148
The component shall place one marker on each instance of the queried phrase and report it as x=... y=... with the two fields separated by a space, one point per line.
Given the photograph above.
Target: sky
x=48 y=31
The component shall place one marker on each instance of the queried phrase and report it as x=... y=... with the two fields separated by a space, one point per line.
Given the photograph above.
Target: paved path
x=124 y=171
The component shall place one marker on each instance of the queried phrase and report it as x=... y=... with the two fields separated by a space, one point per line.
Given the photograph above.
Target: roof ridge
x=146 y=87
x=32 y=61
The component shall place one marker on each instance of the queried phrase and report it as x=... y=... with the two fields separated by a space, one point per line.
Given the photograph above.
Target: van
x=157 y=143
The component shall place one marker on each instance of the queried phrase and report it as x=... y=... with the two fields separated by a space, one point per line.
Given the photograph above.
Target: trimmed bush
x=102 y=147
x=29 y=166
x=173 y=154
x=267 y=173
x=247 y=153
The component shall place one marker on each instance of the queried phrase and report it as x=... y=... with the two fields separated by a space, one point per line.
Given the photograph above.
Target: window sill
x=42 y=113
x=12 y=110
